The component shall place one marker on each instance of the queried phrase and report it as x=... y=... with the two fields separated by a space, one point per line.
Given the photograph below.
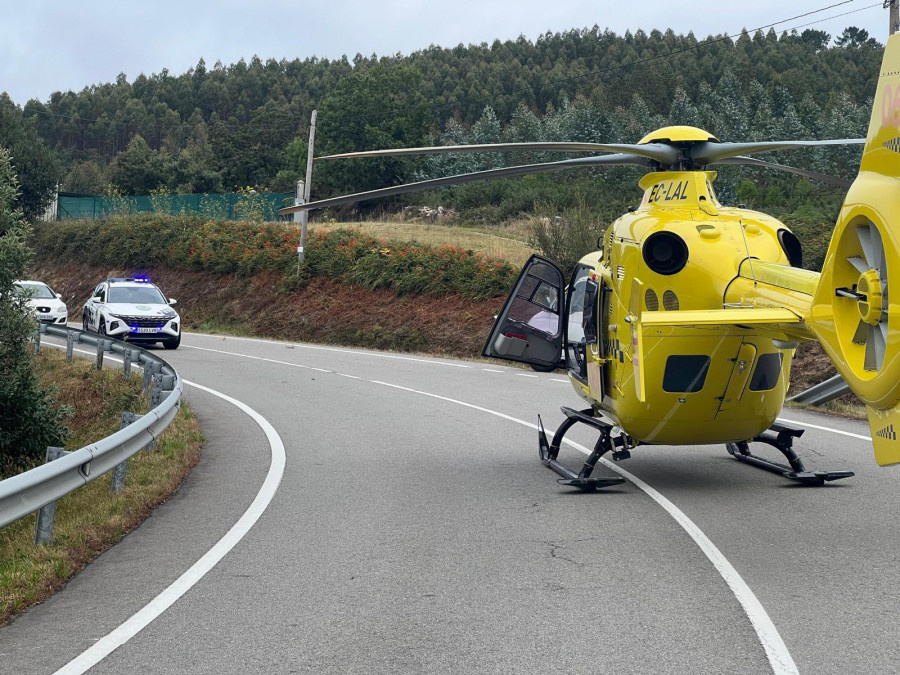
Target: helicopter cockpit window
x=580 y=329
x=765 y=376
x=537 y=301
x=685 y=374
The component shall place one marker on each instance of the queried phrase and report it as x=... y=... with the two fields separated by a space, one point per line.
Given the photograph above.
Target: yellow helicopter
x=681 y=329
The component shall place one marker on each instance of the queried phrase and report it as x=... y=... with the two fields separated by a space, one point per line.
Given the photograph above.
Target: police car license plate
x=148 y=330
x=42 y=316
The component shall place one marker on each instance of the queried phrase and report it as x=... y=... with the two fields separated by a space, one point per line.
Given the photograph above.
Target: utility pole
x=304 y=215
x=894 y=7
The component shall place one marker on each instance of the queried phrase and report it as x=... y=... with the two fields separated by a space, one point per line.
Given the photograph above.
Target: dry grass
x=508 y=243
x=92 y=519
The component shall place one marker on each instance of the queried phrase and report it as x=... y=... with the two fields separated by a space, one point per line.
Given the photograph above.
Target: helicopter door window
x=685 y=374
x=537 y=305
x=765 y=376
x=580 y=328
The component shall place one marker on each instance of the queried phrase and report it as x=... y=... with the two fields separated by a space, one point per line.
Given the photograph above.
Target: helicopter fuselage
x=681 y=251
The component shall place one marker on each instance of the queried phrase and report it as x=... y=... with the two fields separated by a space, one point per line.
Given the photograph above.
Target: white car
x=132 y=309
x=46 y=305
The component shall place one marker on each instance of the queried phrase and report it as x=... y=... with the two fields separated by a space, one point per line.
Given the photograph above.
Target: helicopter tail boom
x=855 y=312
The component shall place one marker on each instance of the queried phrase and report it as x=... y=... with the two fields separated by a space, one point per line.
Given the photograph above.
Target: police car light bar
x=139 y=280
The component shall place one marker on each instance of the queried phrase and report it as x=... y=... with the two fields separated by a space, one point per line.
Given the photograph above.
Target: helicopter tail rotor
x=852 y=314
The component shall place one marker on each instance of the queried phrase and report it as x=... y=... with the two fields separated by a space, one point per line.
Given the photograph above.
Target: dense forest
x=246 y=124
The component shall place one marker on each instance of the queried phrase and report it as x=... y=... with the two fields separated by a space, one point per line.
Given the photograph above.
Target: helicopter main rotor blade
x=752 y=161
x=618 y=159
x=707 y=153
x=658 y=152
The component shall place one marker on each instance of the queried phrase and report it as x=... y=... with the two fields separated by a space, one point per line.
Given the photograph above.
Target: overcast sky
x=58 y=45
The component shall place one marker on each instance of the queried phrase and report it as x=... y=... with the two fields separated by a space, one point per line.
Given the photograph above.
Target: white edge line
x=776 y=651
x=834 y=431
x=143 y=617
x=329 y=349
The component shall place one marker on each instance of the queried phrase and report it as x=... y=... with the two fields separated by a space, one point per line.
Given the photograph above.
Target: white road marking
x=834 y=431
x=143 y=617
x=776 y=651
x=491 y=370
x=329 y=349
x=556 y=379
x=337 y=349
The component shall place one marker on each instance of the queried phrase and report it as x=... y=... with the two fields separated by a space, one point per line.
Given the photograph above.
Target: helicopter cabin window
x=685 y=374
x=765 y=376
x=581 y=329
x=537 y=301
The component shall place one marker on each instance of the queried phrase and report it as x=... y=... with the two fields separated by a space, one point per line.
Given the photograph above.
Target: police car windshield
x=136 y=295
x=35 y=291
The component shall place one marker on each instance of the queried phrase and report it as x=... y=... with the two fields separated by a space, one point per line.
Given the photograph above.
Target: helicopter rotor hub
x=871 y=306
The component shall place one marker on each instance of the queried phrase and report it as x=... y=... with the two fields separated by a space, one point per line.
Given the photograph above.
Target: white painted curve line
x=327 y=349
x=834 y=431
x=525 y=375
x=776 y=651
x=143 y=617
x=556 y=379
x=491 y=370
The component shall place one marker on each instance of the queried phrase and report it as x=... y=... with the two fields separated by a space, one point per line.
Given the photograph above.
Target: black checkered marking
x=893 y=144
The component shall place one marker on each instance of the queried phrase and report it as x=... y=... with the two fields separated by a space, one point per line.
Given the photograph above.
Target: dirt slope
x=322 y=311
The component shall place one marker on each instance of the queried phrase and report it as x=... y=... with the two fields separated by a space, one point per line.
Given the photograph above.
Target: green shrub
x=29 y=421
x=245 y=249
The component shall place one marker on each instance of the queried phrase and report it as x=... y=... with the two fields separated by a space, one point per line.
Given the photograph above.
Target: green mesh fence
x=230 y=206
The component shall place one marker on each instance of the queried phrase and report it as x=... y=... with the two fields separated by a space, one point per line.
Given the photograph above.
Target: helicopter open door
x=530 y=327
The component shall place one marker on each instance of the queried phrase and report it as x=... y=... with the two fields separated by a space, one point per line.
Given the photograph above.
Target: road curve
x=415 y=532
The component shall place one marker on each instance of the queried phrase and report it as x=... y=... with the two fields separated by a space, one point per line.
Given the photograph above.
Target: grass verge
x=92 y=519
x=508 y=244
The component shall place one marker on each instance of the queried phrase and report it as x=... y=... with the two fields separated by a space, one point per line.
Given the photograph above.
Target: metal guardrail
x=830 y=389
x=27 y=492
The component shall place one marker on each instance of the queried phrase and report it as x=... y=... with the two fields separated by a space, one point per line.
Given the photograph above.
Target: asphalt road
x=415 y=530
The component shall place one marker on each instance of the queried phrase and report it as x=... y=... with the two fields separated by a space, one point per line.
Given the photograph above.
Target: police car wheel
x=84 y=322
x=172 y=344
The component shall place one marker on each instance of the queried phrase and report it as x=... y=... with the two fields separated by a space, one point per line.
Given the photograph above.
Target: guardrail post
x=37 y=339
x=44 y=530
x=148 y=378
x=126 y=363
x=156 y=390
x=120 y=471
x=100 y=354
x=70 y=347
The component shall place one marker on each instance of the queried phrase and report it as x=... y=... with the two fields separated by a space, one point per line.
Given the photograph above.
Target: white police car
x=46 y=305
x=132 y=309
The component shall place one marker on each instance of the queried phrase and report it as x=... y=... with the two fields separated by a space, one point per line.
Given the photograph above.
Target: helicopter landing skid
x=550 y=451
x=783 y=440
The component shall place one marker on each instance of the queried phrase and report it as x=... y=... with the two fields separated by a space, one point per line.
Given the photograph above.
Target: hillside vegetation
x=228 y=126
